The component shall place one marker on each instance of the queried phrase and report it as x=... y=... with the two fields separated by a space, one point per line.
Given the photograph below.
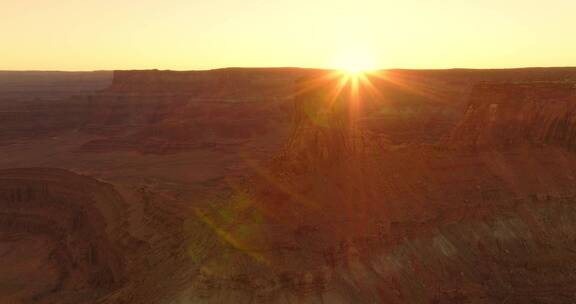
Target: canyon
x=264 y=186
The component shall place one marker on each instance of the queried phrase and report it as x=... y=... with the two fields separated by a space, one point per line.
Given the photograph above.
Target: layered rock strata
x=62 y=235
x=417 y=224
x=510 y=114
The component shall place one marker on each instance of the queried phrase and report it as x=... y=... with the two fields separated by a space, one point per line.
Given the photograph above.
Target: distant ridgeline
x=222 y=83
x=51 y=85
x=463 y=76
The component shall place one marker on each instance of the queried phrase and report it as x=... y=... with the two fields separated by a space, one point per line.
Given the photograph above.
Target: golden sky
x=203 y=34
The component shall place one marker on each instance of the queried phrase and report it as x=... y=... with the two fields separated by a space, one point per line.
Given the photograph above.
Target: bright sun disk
x=354 y=63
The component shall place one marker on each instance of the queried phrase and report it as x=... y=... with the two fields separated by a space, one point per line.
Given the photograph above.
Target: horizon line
x=284 y=67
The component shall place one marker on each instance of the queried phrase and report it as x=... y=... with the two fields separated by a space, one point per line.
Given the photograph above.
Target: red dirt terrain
x=265 y=186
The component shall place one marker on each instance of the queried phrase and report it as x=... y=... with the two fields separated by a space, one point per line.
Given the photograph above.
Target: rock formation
x=62 y=235
x=416 y=224
x=403 y=192
x=67 y=238
x=511 y=114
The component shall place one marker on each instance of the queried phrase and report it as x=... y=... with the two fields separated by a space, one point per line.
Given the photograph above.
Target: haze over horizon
x=180 y=35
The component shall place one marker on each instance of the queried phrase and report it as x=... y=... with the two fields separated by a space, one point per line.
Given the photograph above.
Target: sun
x=355 y=66
x=354 y=62
x=354 y=69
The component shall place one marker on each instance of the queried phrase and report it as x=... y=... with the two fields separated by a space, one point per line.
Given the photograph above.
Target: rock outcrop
x=164 y=112
x=416 y=224
x=62 y=235
x=511 y=114
x=68 y=238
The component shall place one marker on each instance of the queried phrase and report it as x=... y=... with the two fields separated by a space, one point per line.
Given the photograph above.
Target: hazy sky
x=199 y=34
